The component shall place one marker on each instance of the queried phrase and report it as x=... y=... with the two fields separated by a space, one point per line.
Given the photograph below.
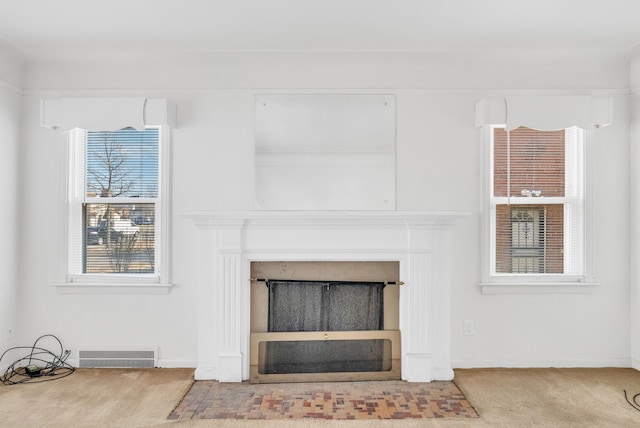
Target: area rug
x=334 y=400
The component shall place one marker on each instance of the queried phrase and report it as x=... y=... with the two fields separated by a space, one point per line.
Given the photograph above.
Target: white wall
x=438 y=155
x=634 y=163
x=10 y=114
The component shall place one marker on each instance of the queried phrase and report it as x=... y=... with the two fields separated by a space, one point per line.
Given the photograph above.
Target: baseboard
x=206 y=373
x=442 y=374
x=635 y=364
x=162 y=363
x=177 y=364
x=476 y=363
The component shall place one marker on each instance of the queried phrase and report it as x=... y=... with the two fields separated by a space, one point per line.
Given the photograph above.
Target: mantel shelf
x=296 y=218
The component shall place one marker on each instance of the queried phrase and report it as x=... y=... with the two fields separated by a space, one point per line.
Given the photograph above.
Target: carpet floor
x=510 y=398
x=330 y=401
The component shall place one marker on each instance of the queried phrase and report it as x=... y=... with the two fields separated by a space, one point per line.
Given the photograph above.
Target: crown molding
x=11 y=87
x=163 y=92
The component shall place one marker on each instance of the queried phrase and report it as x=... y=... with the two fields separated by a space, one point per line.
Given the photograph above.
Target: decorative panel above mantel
x=325 y=152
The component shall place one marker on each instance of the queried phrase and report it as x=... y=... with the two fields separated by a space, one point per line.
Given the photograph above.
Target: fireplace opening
x=324 y=330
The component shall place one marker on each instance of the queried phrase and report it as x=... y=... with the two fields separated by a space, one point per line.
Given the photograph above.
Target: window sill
x=114 y=288
x=550 y=287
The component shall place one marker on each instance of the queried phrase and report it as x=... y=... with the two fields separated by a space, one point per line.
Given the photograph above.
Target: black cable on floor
x=39 y=365
x=634 y=401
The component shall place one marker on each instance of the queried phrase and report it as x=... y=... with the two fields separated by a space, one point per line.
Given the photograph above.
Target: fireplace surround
x=230 y=241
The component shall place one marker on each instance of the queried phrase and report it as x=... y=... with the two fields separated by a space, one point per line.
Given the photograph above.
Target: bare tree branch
x=108 y=174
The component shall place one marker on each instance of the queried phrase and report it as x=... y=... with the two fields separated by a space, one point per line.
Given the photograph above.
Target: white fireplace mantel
x=230 y=241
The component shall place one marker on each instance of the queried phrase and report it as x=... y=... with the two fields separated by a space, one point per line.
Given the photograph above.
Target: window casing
x=535 y=230
x=117 y=207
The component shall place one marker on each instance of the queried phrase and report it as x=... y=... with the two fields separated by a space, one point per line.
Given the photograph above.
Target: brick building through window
x=529 y=182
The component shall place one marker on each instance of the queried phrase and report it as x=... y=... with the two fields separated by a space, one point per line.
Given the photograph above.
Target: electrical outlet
x=469 y=328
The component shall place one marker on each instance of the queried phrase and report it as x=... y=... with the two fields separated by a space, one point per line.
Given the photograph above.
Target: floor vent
x=117 y=358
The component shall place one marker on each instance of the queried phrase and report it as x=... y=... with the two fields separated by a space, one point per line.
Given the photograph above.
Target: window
x=117 y=211
x=537 y=203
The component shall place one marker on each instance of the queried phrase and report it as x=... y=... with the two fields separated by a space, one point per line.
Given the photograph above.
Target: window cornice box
x=106 y=114
x=545 y=112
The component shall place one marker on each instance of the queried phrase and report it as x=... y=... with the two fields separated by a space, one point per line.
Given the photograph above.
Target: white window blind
x=537 y=201
x=122 y=163
x=115 y=203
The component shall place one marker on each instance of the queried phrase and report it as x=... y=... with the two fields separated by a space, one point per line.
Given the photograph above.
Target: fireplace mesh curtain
x=296 y=306
x=325 y=306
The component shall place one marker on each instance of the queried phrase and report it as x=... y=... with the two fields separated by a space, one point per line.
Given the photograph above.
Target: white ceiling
x=52 y=26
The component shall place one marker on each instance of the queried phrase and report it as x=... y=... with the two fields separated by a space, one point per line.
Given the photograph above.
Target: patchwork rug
x=331 y=400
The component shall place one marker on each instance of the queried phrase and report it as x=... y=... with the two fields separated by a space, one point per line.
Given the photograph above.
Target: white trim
x=114 y=278
x=163 y=227
x=546 y=287
x=112 y=288
x=530 y=200
x=63 y=208
x=205 y=373
x=545 y=112
x=589 y=196
x=162 y=92
x=442 y=374
x=11 y=87
x=96 y=114
x=106 y=113
x=472 y=363
x=304 y=219
x=75 y=167
x=176 y=364
x=162 y=363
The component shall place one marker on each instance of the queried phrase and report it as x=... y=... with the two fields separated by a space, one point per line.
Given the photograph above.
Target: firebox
x=325 y=329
